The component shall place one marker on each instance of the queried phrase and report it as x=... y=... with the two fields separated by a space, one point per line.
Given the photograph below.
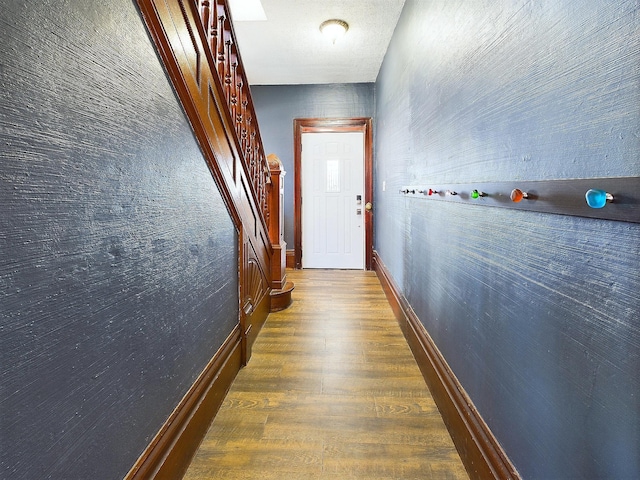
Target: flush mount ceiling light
x=334 y=29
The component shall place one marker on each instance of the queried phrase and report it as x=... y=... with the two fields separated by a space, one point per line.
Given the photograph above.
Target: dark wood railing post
x=281 y=289
x=276 y=222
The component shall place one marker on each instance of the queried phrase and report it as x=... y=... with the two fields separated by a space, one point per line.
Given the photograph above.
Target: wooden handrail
x=216 y=23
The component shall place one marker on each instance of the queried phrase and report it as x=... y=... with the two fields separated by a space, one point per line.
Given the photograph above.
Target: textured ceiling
x=288 y=48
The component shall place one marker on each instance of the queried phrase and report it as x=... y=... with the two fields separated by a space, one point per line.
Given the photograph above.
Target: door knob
x=368 y=206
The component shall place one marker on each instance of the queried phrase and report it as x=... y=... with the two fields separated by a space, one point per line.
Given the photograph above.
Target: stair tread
x=288 y=288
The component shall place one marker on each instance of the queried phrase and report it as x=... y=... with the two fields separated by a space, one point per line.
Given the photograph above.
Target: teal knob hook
x=597 y=198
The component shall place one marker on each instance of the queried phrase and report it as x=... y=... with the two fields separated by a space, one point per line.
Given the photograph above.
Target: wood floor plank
x=332 y=391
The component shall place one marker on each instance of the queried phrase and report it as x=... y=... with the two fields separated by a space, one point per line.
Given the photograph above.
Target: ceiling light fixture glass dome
x=334 y=29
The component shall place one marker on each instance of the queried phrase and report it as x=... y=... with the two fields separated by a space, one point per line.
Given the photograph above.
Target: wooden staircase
x=196 y=43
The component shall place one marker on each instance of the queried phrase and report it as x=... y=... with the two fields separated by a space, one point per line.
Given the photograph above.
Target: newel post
x=276 y=223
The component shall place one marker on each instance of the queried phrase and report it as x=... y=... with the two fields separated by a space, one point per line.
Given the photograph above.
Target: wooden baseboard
x=170 y=452
x=291 y=259
x=479 y=450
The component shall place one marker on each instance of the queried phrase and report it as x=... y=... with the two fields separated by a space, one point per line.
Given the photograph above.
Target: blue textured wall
x=118 y=259
x=278 y=105
x=538 y=315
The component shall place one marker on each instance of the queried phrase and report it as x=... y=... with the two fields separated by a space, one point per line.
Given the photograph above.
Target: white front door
x=333 y=200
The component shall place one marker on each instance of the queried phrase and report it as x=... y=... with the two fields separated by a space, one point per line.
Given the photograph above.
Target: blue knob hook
x=597 y=198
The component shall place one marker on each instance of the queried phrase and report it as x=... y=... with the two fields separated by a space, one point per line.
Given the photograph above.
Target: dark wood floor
x=331 y=392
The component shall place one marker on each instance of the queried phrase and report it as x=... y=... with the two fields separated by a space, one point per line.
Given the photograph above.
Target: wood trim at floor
x=291 y=259
x=171 y=450
x=482 y=455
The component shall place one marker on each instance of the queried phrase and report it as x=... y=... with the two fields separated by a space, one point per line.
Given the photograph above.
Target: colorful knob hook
x=517 y=195
x=597 y=198
x=477 y=194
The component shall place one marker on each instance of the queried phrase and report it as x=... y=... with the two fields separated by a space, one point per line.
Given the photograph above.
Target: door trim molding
x=332 y=125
